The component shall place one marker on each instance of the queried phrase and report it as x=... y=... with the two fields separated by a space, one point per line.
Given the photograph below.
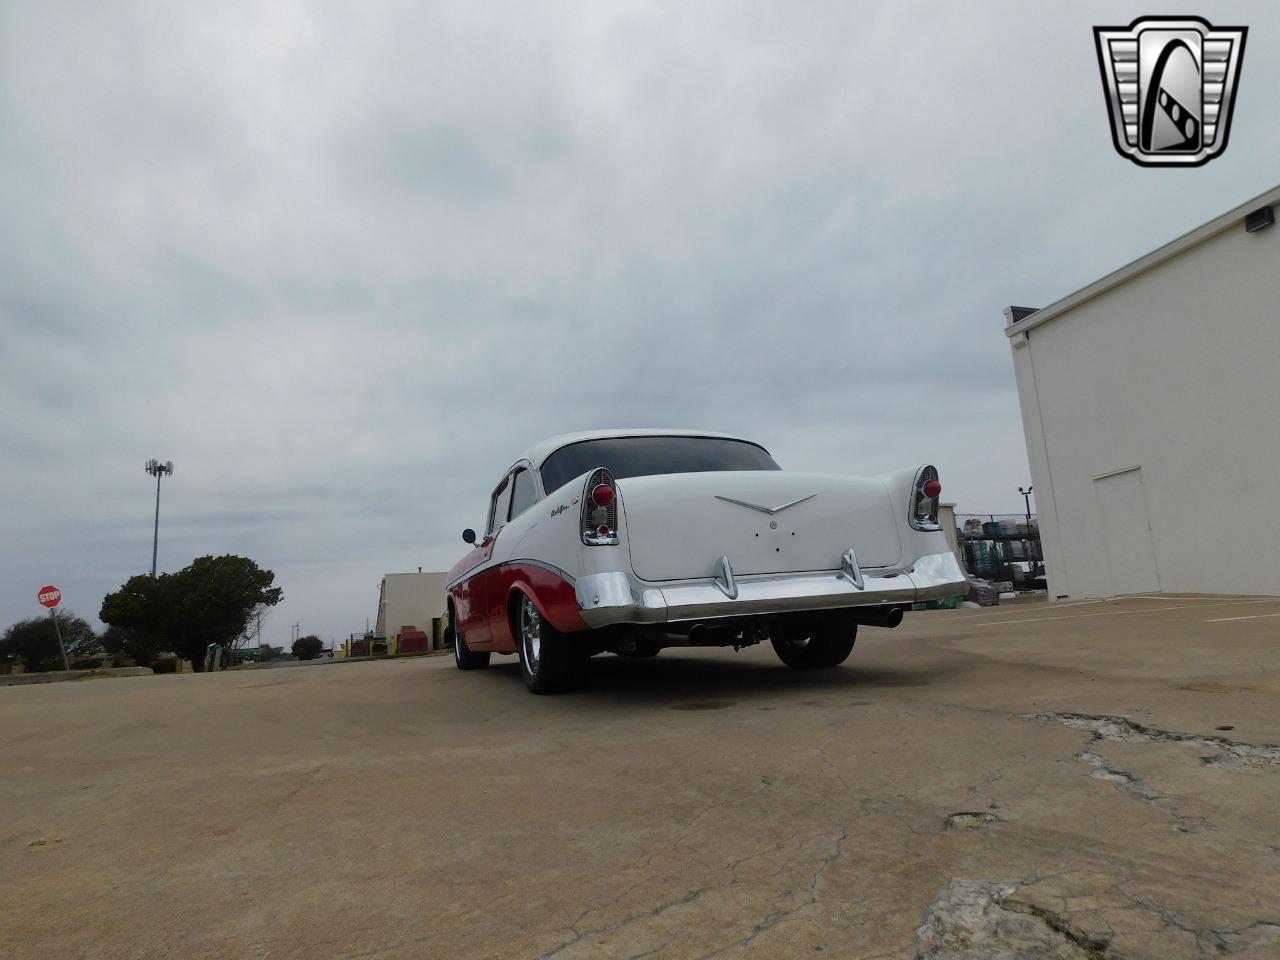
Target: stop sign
x=49 y=596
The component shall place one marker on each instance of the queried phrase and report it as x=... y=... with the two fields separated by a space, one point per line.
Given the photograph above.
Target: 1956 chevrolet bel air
x=633 y=540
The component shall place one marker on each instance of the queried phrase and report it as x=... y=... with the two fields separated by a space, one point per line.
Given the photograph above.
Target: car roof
x=539 y=452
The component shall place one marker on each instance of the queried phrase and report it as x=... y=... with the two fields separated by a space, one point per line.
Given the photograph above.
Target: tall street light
x=157 y=470
x=1026 y=498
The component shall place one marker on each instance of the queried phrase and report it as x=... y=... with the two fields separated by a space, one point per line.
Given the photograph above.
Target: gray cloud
x=342 y=265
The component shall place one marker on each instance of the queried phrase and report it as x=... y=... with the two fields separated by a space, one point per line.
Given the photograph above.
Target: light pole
x=1026 y=498
x=157 y=470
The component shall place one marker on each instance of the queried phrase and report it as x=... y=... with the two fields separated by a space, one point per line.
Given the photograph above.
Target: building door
x=1126 y=533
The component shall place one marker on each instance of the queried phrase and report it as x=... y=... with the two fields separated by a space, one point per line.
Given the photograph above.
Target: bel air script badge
x=1170 y=84
x=563 y=507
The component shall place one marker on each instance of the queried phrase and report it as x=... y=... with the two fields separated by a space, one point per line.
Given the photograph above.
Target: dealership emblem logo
x=1170 y=84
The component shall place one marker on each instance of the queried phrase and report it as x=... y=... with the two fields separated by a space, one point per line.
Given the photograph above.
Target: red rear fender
x=550 y=592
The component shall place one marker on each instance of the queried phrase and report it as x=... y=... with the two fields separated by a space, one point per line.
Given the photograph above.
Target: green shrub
x=308 y=648
x=165 y=665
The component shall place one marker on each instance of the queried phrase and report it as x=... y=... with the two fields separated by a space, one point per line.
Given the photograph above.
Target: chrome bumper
x=610 y=598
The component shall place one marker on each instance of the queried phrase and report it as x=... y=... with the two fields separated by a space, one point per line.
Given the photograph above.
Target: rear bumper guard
x=612 y=598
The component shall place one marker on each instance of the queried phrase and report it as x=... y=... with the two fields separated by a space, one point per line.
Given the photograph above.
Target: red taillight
x=600 y=505
x=924 y=499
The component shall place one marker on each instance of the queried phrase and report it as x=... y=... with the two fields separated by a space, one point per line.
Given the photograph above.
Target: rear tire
x=550 y=661
x=463 y=656
x=813 y=644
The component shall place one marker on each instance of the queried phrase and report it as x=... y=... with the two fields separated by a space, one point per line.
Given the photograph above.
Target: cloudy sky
x=342 y=262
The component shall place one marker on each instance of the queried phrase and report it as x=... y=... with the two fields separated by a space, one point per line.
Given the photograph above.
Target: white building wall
x=410 y=599
x=1175 y=370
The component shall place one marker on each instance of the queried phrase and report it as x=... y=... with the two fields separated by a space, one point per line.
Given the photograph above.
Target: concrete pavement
x=1068 y=781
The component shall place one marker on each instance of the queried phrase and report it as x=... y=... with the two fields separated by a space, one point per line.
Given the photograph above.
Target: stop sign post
x=50 y=596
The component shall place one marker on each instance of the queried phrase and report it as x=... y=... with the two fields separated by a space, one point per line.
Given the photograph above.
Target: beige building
x=1149 y=403
x=415 y=600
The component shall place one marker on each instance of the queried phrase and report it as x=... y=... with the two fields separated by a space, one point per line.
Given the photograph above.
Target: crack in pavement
x=660 y=909
x=1209 y=941
x=647 y=877
x=1126 y=781
x=1229 y=753
x=1119 y=728
x=688 y=898
x=984 y=920
x=978 y=919
x=660 y=947
x=775 y=917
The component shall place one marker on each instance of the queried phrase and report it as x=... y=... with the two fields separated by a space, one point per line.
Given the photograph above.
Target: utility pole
x=158 y=470
x=1026 y=498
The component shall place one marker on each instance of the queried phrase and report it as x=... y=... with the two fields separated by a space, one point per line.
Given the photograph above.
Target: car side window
x=498 y=507
x=523 y=493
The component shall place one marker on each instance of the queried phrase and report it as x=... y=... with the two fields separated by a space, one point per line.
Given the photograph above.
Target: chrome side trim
x=771 y=511
x=491 y=564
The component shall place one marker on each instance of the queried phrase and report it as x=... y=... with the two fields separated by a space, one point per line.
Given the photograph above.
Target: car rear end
x=694 y=551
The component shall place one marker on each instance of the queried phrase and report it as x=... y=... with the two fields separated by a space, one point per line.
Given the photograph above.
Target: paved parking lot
x=1072 y=781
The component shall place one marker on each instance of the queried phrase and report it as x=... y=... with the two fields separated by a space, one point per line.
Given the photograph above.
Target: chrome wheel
x=550 y=660
x=530 y=635
x=464 y=656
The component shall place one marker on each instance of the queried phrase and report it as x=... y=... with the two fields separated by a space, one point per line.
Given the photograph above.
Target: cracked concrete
x=981 y=920
x=1056 y=788
x=1227 y=752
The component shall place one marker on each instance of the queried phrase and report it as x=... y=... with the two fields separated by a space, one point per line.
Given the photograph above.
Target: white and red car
x=634 y=540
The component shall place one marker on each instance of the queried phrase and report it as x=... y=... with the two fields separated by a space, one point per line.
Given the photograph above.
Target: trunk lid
x=678 y=527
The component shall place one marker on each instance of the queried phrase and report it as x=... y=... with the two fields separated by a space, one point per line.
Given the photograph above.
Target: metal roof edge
x=1144 y=263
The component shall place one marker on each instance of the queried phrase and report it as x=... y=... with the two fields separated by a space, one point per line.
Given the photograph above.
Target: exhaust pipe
x=719 y=635
x=888 y=617
x=712 y=635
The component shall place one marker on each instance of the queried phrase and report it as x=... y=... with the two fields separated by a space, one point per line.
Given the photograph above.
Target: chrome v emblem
x=769 y=510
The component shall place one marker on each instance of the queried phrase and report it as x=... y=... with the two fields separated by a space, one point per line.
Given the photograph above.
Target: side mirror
x=469 y=535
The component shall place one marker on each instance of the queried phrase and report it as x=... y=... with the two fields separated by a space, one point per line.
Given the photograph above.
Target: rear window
x=647 y=456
